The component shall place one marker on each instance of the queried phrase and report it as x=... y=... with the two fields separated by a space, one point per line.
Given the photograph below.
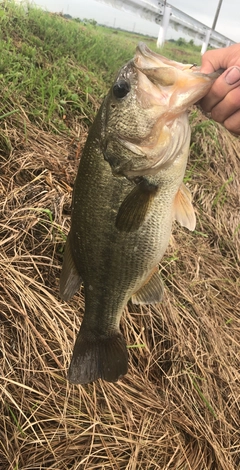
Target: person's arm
x=223 y=99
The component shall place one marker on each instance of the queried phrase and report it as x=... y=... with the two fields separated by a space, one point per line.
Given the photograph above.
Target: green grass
x=221 y=196
x=182 y=51
x=178 y=405
x=15 y=420
x=52 y=69
x=202 y=396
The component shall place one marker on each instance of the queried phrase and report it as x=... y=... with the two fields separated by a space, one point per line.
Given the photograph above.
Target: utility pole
x=209 y=32
x=216 y=15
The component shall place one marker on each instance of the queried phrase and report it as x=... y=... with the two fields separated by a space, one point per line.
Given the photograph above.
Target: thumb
x=227 y=82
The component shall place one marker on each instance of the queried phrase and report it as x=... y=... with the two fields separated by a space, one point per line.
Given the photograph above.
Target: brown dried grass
x=178 y=407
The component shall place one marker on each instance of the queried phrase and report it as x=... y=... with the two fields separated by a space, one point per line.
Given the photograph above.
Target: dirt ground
x=178 y=406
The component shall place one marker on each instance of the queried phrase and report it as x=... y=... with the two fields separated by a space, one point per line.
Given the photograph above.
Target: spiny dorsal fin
x=96 y=356
x=133 y=210
x=151 y=292
x=70 y=279
x=183 y=209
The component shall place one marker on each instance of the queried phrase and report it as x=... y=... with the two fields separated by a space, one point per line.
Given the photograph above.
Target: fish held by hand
x=129 y=189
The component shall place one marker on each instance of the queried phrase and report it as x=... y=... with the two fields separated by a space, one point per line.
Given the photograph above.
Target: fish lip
x=174 y=86
x=144 y=51
x=152 y=59
x=156 y=60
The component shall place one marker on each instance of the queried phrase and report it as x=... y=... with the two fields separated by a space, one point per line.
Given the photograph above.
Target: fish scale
x=127 y=192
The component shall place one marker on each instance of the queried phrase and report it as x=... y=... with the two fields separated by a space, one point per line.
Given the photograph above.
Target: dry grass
x=178 y=407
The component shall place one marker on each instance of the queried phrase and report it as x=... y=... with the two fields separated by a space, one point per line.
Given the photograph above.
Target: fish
x=128 y=191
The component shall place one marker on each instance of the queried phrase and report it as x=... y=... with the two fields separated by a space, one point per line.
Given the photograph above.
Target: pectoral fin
x=70 y=279
x=134 y=208
x=151 y=292
x=183 y=209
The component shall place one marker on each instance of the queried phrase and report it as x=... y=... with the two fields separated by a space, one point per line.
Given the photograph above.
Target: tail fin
x=96 y=356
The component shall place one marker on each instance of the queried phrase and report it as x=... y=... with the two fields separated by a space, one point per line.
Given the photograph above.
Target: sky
x=228 y=21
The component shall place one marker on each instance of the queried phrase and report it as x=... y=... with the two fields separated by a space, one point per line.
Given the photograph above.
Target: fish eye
x=121 y=88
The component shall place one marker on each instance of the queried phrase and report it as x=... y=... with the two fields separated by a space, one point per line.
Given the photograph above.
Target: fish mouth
x=146 y=58
x=166 y=89
x=165 y=82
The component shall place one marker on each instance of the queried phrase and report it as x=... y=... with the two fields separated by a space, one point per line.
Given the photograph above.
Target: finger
x=233 y=123
x=227 y=107
x=207 y=66
x=210 y=64
x=221 y=58
x=222 y=86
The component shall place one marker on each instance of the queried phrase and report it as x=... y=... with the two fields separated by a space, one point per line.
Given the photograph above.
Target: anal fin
x=70 y=279
x=183 y=209
x=134 y=208
x=151 y=292
x=98 y=356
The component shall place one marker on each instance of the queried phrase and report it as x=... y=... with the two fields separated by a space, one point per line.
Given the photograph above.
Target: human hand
x=223 y=99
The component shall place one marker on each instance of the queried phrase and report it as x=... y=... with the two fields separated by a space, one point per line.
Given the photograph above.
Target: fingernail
x=233 y=76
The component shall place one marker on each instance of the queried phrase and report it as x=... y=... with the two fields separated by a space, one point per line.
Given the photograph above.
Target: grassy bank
x=178 y=407
x=51 y=67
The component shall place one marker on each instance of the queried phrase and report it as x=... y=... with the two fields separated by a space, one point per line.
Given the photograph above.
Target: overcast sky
x=228 y=22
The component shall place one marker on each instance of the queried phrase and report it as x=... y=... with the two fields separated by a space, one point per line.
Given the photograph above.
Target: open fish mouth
x=145 y=58
x=162 y=92
x=168 y=77
x=165 y=89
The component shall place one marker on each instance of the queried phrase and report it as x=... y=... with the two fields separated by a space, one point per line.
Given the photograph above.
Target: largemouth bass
x=129 y=189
